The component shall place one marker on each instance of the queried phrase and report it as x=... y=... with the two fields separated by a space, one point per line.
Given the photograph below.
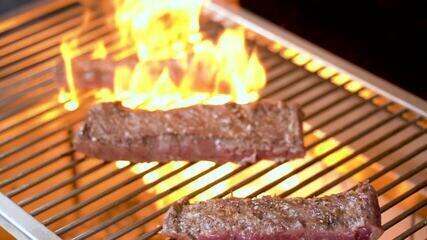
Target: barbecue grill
x=356 y=126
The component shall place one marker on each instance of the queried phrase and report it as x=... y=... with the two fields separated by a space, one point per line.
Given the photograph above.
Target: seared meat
x=91 y=73
x=222 y=133
x=354 y=214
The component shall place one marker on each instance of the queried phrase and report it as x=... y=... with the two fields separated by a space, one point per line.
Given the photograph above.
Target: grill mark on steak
x=354 y=214
x=222 y=133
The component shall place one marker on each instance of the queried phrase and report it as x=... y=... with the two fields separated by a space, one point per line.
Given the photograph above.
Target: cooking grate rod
x=344 y=160
x=402 y=178
x=325 y=154
x=41 y=138
x=63 y=183
x=119 y=201
x=27 y=104
x=407 y=194
x=332 y=90
x=31 y=31
x=33 y=155
x=405 y=214
x=142 y=204
x=45 y=177
x=412 y=230
x=38 y=127
x=50 y=51
x=77 y=191
x=370 y=162
x=102 y=194
x=9 y=100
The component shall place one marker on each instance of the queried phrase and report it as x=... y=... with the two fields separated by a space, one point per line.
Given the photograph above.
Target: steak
x=354 y=214
x=91 y=73
x=221 y=133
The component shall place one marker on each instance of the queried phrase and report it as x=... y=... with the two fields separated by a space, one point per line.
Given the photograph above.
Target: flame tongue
x=177 y=66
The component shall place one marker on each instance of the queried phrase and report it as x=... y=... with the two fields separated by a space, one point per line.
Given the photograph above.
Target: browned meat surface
x=91 y=73
x=354 y=214
x=221 y=133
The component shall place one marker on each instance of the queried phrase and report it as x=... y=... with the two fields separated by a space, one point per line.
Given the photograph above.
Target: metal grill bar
x=334 y=89
x=44 y=136
x=31 y=102
x=164 y=209
x=31 y=117
x=370 y=162
x=62 y=184
x=119 y=201
x=405 y=214
x=44 y=178
x=27 y=80
x=399 y=199
x=35 y=168
x=33 y=155
x=321 y=156
x=37 y=127
x=409 y=174
x=346 y=126
x=13 y=98
x=48 y=34
x=140 y=205
x=31 y=31
x=344 y=160
x=412 y=230
x=96 y=197
x=396 y=164
x=75 y=192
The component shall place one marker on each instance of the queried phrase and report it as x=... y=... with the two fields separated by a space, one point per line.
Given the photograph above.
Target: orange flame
x=177 y=66
x=69 y=51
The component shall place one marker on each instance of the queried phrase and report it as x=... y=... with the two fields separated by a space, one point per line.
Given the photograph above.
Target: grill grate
x=353 y=132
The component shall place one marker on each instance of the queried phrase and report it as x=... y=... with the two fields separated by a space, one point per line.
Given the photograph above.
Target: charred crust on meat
x=237 y=133
x=349 y=215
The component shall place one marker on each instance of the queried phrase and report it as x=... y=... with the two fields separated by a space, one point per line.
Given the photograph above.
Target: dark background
x=386 y=37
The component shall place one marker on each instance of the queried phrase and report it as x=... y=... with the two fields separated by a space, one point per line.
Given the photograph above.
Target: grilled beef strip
x=91 y=73
x=221 y=133
x=354 y=214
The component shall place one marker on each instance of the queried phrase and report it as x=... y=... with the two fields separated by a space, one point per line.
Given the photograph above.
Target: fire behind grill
x=352 y=133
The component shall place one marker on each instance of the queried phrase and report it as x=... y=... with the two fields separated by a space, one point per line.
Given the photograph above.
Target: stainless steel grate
x=356 y=127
